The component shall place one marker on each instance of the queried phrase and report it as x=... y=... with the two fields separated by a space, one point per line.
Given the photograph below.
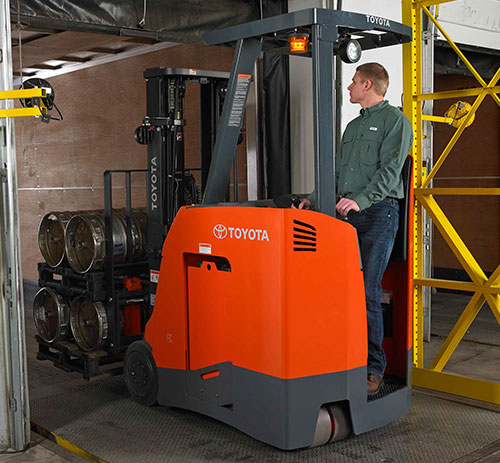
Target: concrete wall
x=474 y=162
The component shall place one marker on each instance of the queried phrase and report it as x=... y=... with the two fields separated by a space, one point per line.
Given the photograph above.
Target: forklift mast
x=326 y=29
x=167 y=176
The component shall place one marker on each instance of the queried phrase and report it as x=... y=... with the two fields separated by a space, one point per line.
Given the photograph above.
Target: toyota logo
x=220 y=231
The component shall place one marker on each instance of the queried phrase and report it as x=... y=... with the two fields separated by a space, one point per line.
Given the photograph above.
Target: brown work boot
x=374 y=384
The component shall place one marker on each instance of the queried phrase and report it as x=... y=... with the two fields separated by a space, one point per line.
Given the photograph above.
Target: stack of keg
x=78 y=239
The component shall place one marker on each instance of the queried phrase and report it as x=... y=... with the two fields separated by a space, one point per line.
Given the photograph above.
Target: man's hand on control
x=345 y=205
x=304 y=204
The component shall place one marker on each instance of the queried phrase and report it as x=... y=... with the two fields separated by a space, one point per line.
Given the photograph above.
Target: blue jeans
x=376 y=227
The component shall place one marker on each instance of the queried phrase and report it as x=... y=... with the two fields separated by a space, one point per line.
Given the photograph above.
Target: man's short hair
x=377 y=74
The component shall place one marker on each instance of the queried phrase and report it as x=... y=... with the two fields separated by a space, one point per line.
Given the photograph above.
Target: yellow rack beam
x=485 y=391
x=20 y=112
x=458 y=191
x=456 y=285
x=447 y=120
x=454 y=94
x=432 y=2
x=25 y=93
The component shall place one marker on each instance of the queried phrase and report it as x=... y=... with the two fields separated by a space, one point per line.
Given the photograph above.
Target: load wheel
x=141 y=374
x=332 y=425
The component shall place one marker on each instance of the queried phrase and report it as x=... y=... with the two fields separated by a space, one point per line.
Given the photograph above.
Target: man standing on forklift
x=368 y=178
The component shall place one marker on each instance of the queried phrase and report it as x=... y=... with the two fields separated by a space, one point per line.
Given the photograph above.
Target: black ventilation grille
x=304 y=237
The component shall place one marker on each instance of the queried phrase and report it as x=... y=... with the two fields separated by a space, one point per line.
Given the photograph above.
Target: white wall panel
x=390 y=57
x=472 y=22
x=301 y=114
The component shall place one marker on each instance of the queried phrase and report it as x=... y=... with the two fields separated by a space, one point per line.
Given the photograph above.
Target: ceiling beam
x=15 y=39
x=73 y=59
x=63 y=44
x=106 y=51
x=25 y=74
x=145 y=40
x=98 y=60
x=44 y=66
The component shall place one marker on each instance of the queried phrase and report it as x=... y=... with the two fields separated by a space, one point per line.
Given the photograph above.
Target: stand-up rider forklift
x=233 y=335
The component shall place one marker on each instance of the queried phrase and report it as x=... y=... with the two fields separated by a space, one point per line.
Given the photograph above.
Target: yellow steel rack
x=483 y=288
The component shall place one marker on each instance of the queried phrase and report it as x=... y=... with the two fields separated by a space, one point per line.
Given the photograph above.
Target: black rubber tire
x=141 y=374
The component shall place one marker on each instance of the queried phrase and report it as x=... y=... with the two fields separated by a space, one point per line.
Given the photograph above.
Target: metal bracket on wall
x=426 y=35
x=7 y=291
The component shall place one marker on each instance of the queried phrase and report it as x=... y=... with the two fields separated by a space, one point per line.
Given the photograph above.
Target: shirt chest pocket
x=370 y=142
x=347 y=146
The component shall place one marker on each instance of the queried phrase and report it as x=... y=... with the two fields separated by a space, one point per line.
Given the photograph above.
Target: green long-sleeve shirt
x=372 y=153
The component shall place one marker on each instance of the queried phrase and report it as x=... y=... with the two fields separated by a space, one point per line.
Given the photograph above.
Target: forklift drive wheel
x=141 y=375
x=332 y=425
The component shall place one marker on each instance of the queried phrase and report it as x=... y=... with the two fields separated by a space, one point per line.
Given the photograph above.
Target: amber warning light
x=298 y=42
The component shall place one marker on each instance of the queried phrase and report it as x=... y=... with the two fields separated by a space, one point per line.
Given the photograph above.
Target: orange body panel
x=208 y=289
x=278 y=311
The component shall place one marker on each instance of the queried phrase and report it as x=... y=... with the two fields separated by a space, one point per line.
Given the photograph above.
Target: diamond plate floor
x=100 y=418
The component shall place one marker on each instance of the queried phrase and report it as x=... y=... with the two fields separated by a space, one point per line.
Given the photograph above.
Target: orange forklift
x=259 y=316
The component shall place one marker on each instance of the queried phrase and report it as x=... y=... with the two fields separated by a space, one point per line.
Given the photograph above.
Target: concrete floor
x=474 y=358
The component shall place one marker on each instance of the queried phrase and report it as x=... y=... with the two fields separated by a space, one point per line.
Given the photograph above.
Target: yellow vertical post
x=412 y=88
